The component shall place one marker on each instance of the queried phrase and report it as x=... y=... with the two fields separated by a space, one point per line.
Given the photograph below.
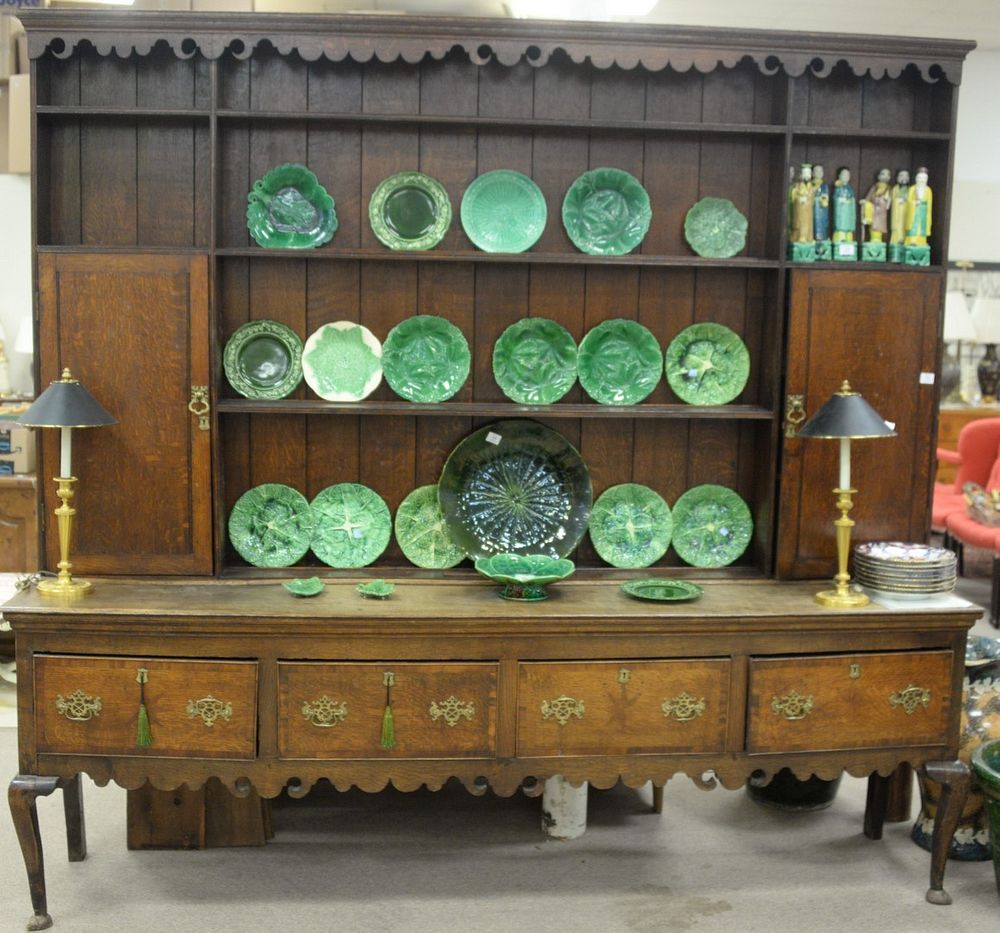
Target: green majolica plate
x=353 y=525
x=263 y=359
x=606 y=212
x=707 y=364
x=271 y=525
x=409 y=210
x=342 y=362
x=376 y=589
x=503 y=212
x=662 y=590
x=534 y=361
x=715 y=228
x=619 y=362
x=421 y=532
x=426 y=359
x=313 y=586
x=515 y=487
x=630 y=526
x=289 y=209
x=524 y=576
x=712 y=526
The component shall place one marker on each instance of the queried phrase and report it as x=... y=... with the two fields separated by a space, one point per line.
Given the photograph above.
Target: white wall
x=15 y=271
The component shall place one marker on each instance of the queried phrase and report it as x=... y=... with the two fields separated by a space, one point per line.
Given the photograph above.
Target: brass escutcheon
x=78 y=706
x=199 y=406
x=325 y=712
x=562 y=708
x=911 y=698
x=854 y=671
x=683 y=707
x=792 y=705
x=451 y=710
x=210 y=710
x=624 y=675
x=795 y=414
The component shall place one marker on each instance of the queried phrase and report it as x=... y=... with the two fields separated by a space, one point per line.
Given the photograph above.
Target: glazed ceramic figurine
x=897 y=215
x=919 y=204
x=844 y=213
x=821 y=213
x=875 y=218
x=801 y=246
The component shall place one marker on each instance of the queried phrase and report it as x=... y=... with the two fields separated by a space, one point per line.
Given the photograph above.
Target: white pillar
x=564 y=808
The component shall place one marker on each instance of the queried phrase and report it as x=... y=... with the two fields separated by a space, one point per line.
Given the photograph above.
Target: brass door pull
x=795 y=414
x=562 y=709
x=325 y=712
x=451 y=710
x=200 y=406
x=683 y=707
x=792 y=705
x=911 y=699
x=78 y=706
x=210 y=710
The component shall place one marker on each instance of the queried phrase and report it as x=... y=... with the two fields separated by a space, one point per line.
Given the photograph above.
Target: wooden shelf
x=882 y=135
x=144 y=113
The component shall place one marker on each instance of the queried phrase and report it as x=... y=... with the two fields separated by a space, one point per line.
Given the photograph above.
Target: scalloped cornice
x=363 y=38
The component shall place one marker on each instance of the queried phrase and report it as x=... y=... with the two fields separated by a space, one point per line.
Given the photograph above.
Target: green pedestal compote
x=524 y=576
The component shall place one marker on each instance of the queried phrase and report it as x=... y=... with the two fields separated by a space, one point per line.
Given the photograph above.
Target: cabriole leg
x=953 y=776
x=22 y=793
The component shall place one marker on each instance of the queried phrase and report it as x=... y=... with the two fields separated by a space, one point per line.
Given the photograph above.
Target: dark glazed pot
x=787 y=792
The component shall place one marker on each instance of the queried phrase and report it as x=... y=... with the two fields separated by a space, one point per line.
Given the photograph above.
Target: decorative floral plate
x=662 y=590
x=376 y=589
x=426 y=359
x=342 y=362
x=707 y=364
x=606 y=212
x=503 y=212
x=289 y=209
x=263 y=359
x=312 y=586
x=421 y=532
x=524 y=576
x=715 y=228
x=410 y=210
x=630 y=526
x=271 y=525
x=712 y=526
x=353 y=525
x=619 y=362
x=534 y=361
x=515 y=487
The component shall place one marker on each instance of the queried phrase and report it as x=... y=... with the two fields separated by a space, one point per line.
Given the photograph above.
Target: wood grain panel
x=108 y=183
x=18 y=524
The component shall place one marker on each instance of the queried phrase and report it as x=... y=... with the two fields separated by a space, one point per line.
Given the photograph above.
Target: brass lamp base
x=64 y=586
x=835 y=599
x=843 y=596
x=61 y=587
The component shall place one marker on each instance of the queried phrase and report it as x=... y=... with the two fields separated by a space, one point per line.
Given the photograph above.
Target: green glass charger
x=409 y=210
x=534 y=361
x=271 y=525
x=619 y=362
x=426 y=359
x=662 y=590
x=342 y=362
x=524 y=576
x=352 y=525
x=606 y=212
x=707 y=364
x=712 y=526
x=312 y=586
x=503 y=212
x=630 y=526
x=263 y=359
x=289 y=209
x=421 y=532
x=715 y=228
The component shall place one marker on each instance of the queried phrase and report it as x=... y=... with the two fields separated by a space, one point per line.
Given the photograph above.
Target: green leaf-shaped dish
x=289 y=209
x=271 y=525
x=342 y=362
x=409 y=210
x=606 y=212
x=534 y=361
x=524 y=576
x=426 y=359
x=662 y=590
x=715 y=228
x=712 y=526
x=376 y=589
x=312 y=586
x=263 y=359
x=630 y=526
x=421 y=532
x=707 y=364
x=353 y=525
x=503 y=212
x=619 y=362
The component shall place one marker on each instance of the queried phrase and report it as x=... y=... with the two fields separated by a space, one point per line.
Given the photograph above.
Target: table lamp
x=846 y=416
x=66 y=405
x=958 y=326
x=24 y=343
x=5 y=388
x=986 y=320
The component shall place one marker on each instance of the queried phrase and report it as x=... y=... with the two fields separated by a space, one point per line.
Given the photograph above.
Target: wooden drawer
x=90 y=706
x=622 y=707
x=335 y=710
x=849 y=701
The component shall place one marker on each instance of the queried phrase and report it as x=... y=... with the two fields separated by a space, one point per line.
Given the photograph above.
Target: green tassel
x=388 y=729
x=144 y=738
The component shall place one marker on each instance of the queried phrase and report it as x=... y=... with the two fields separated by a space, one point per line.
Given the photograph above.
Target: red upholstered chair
x=963 y=529
x=978 y=443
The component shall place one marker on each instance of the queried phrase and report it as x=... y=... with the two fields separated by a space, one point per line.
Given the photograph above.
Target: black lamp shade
x=846 y=414
x=66 y=404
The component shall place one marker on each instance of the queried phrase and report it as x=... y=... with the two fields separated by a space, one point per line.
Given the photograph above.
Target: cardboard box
x=19 y=125
x=17 y=444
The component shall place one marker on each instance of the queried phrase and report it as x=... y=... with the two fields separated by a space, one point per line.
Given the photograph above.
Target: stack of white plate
x=896 y=569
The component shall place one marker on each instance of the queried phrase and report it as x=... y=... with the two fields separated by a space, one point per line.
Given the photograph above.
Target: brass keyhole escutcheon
x=854 y=671
x=624 y=675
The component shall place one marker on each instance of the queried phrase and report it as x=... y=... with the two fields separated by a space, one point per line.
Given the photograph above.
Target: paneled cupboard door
x=134 y=330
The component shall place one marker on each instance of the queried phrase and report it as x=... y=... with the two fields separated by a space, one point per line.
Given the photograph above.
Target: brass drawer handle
x=792 y=705
x=199 y=406
x=911 y=698
x=795 y=414
x=78 y=706
x=325 y=712
x=210 y=710
x=683 y=707
x=562 y=708
x=451 y=710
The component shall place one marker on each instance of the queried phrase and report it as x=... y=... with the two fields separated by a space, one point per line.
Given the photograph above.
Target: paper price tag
x=927 y=379
x=493 y=438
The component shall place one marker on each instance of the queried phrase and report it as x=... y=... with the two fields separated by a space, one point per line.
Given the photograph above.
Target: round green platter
x=426 y=359
x=352 y=525
x=421 y=532
x=289 y=209
x=659 y=589
x=714 y=228
x=271 y=525
x=630 y=526
x=619 y=362
x=342 y=362
x=503 y=212
x=534 y=361
x=409 y=210
x=712 y=526
x=707 y=364
x=524 y=576
x=263 y=359
x=606 y=212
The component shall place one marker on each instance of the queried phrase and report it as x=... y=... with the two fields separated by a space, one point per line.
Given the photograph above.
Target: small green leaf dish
x=707 y=364
x=619 y=362
x=376 y=589
x=421 y=532
x=715 y=228
x=409 y=210
x=289 y=209
x=661 y=590
x=426 y=359
x=534 y=361
x=524 y=576
x=342 y=362
x=606 y=212
x=353 y=525
x=271 y=525
x=712 y=526
x=630 y=526
x=503 y=212
x=263 y=359
x=313 y=586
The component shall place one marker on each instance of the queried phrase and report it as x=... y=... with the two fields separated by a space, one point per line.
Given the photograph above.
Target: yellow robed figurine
x=801 y=242
x=919 y=203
